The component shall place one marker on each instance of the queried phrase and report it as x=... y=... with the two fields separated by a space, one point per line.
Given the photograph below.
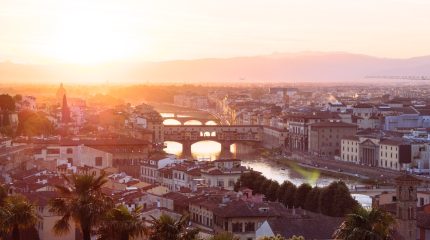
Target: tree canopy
x=332 y=200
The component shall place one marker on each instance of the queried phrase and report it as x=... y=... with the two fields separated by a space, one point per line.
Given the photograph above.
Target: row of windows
x=202 y=220
x=386 y=155
x=386 y=147
x=383 y=163
x=352 y=142
x=238 y=227
x=347 y=149
x=349 y=158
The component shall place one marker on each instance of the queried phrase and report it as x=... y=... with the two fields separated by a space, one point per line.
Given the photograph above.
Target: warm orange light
x=85 y=37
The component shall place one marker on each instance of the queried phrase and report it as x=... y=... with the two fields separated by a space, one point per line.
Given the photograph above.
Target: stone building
x=325 y=137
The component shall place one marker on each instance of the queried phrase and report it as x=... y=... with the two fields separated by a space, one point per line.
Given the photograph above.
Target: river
x=210 y=150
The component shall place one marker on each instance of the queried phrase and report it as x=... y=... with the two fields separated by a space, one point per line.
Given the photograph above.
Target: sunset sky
x=97 y=31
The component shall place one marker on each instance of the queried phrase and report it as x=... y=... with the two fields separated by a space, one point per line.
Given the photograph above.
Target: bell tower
x=407 y=206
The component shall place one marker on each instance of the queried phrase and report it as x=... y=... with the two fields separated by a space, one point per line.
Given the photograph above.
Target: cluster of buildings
x=138 y=175
x=191 y=100
x=378 y=127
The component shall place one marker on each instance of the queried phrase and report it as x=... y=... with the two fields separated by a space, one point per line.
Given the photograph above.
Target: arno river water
x=210 y=150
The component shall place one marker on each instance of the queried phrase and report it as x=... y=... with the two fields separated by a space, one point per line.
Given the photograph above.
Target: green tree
x=81 y=201
x=3 y=194
x=312 y=200
x=264 y=186
x=17 y=214
x=166 y=227
x=288 y=197
x=294 y=237
x=326 y=199
x=336 y=200
x=271 y=192
x=17 y=98
x=279 y=237
x=301 y=194
x=281 y=190
x=224 y=236
x=374 y=224
x=33 y=124
x=343 y=202
x=7 y=103
x=121 y=224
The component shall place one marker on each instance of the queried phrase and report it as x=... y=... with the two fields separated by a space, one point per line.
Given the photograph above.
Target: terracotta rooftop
x=407 y=178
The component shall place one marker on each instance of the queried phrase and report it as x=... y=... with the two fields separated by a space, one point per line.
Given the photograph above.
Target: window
x=249 y=227
x=69 y=150
x=99 y=161
x=231 y=183
x=237 y=227
x=53 y=151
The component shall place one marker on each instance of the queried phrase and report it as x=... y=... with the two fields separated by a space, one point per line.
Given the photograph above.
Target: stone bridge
x=224 y=134
x=183 y=118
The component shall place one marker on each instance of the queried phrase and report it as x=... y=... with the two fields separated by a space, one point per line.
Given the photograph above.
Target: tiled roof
x=310 y=227
x=363 y=105
x=239 y=208
x=407 y=178
x=423 y=220
x=332 y=124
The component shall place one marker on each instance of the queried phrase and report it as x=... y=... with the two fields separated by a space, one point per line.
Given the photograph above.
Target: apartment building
x=395 y=154
x=325 y=137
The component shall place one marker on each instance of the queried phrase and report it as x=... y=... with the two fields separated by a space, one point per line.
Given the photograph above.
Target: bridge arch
x=174 y=147
x=210 y=123
x=171 y=121
x=193 y=122
x=206 y=149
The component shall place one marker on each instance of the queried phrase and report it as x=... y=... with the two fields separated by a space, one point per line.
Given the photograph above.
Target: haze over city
x=214 y=120
x=145 y=41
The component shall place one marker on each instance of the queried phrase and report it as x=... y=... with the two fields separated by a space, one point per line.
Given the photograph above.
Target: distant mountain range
x=299 y=67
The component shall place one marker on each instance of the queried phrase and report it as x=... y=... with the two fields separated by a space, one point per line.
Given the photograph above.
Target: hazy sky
x=93 y=31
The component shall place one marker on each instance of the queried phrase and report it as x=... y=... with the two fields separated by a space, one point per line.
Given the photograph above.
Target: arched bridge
x=185 y=118
x=224 y=134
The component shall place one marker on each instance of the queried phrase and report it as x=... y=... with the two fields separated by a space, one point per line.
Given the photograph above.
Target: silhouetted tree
x=17 y=214
x=301 y=194
x=166 y=227
x=81 y=201
x=288 y=197
x=121 y=224
x=271 y=192
x=312 y=200
x=367 y=225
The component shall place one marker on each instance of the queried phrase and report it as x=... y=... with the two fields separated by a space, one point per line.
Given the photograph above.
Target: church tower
x=61 y=91
x=407 y=205
x=65 y=112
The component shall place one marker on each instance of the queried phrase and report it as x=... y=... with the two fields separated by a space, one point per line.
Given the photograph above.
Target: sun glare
x=92 y=37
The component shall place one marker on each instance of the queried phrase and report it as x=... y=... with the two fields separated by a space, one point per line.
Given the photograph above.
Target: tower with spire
x=65 y=112
x=61 y=92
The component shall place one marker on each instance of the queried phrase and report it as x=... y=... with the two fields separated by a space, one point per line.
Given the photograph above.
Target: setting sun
x=92 y=37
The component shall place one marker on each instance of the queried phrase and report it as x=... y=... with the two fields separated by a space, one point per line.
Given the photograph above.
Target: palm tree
x=81 y=201
x=18 y=214
x=374 y=224
x=167 y=228
x=121 y=224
